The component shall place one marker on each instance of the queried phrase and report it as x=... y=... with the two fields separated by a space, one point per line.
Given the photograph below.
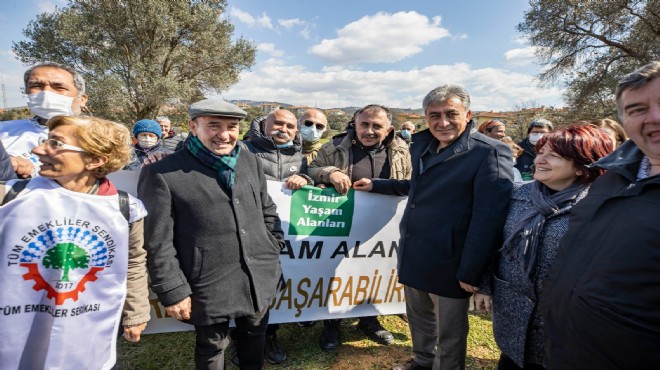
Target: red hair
x=582 y=144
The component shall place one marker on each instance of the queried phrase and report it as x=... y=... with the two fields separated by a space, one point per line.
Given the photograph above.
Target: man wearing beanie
x=148 y=133
x=213 y=236
x=536 y=129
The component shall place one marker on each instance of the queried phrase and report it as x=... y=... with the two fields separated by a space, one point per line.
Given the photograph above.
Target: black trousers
x=212 y=340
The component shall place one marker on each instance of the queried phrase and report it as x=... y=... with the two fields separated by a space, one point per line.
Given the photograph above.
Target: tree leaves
x=138 y=55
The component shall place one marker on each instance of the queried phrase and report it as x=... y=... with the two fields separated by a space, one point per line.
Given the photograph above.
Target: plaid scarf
x=224 y=164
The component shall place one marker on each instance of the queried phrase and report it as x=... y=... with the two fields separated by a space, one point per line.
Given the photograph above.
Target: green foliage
x=140 y=55
x=591 y=45
x=13 y=114
x=252 y=113
x=66 y=256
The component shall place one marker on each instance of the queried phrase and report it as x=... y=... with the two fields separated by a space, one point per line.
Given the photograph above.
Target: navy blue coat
x=457 y=205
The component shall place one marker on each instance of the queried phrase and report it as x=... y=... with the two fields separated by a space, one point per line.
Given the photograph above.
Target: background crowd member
x=148 y=133
x=493 y=128
x=369 y=150
x=312 y=124
x=535 y=131
x=219 y=191
x=407 y=130
x=457 y=199
x=537 y=220
x=7 y=171
x=613 y=129
x=606 y=273
x=73 y=189
x=516 y=151
x=171 y=140
x=52 y=89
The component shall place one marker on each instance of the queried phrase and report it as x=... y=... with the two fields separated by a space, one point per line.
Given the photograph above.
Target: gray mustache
x=280 y=134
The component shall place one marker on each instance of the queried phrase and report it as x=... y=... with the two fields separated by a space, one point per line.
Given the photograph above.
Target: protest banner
x=339 y=260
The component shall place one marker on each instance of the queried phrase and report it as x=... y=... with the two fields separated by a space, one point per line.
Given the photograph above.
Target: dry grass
x=175 y=350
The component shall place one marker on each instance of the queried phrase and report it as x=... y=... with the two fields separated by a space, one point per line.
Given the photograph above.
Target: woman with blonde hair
x=73 y=268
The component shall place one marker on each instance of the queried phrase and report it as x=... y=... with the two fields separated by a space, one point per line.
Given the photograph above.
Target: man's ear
x=192 y=127
x=389 y=129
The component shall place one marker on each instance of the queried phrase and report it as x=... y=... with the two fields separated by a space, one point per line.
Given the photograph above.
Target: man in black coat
x=457 y=202
x=600 y=302
x=213 y=236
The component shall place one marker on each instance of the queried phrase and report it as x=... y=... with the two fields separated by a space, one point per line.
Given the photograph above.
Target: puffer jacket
x=335 y=155
x=278 y=164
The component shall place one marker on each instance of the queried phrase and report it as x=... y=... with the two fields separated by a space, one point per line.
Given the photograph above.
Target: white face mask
x=147 y=142
x=46 y=104
x=534 y=137
x=310 y=133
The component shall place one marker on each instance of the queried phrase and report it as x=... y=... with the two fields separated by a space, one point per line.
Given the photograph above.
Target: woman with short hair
x=72 y=264
x=536 y=222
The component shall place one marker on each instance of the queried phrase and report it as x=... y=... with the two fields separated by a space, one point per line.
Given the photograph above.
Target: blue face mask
x=406 y=134
x=288 y=144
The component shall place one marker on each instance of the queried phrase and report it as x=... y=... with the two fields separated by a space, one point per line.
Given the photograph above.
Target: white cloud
x=336 y=86
x=49 y=6
x=270 y=49
x=521 y=57
x=381 y=37
x=289 y=23
x=261 y=22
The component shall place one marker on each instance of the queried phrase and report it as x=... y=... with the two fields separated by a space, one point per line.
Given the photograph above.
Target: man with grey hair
x=369 y=149
x=535 y=130
x=229 y=267
x=170 y=139
x=52 y=89
x=600 y=301
x=457 y=203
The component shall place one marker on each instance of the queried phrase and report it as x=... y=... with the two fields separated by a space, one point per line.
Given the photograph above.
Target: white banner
x=339 y=260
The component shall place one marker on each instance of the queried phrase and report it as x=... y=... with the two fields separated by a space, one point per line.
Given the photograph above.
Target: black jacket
x=222 y=247
x=456 y=211
x=525 y=161
x=600 y=302
x=278 y=164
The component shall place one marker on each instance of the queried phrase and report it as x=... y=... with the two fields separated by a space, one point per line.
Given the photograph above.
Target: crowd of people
x=556 y=234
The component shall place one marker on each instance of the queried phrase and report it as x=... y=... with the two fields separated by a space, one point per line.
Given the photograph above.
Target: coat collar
x=624 y=160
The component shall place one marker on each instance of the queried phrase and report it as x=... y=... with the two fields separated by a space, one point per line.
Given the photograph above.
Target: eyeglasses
x=318 y=126
x=58 y=145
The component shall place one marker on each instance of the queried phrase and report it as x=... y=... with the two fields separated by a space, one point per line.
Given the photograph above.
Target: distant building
x=269 y=107
x=334 y=112
x=481 y=117
x=297 y=110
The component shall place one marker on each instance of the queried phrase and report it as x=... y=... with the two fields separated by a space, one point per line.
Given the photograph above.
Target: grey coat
x=219 y=247
x=517 y=322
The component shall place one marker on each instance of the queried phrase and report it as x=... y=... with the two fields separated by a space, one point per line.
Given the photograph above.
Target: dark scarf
x=225 y=164
x=522 y=245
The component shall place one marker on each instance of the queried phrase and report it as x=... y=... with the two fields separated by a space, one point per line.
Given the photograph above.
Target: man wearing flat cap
x=213 y=236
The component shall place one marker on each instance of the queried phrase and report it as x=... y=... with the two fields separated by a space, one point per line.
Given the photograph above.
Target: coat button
x=236 y=201
x=242 y=231
x=407 y=235
x=412 y=205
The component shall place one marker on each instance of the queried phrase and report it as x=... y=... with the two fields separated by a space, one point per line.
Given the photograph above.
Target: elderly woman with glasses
x=73 y=268
x=536 y=222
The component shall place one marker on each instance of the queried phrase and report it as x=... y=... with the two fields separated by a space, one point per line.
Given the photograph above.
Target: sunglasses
x=58 y=145
x=318 y=126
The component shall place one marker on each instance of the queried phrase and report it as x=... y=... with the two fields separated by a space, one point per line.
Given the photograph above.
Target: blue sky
x=352 y=53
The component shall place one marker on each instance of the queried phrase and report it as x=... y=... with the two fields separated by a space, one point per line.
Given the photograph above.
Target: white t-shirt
x=19 y=137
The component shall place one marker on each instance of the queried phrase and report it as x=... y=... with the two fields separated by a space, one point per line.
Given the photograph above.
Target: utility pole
x=4 y=91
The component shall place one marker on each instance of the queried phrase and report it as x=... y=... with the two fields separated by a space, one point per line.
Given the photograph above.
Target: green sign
x=322 y=212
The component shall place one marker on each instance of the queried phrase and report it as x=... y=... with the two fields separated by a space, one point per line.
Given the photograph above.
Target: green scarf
x=224 y=164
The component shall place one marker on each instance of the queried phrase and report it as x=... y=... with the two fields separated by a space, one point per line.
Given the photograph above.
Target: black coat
x=6 y=169
x=525 y=161
x=601 y=300
x=220 y=247
x=456 y=211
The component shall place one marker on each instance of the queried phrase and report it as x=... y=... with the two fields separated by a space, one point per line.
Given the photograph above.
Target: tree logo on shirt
x=62 y=260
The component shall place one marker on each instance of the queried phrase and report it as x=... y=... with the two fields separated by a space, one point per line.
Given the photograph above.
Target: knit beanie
x=147 y=125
